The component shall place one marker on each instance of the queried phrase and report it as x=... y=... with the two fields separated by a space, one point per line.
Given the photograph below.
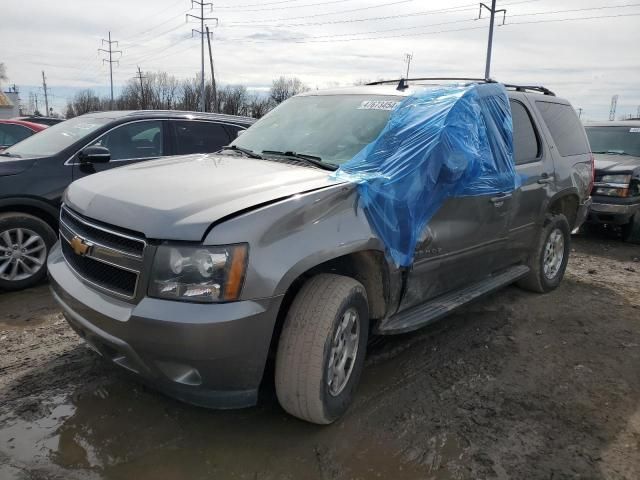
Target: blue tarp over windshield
x=441 y=142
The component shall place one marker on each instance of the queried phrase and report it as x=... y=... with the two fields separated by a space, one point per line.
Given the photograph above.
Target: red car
x=13 y=131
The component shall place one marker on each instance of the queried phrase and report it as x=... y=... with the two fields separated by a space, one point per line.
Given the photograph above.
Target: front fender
x=291 y=236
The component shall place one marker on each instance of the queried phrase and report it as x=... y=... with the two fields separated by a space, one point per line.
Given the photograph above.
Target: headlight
x=611 y=192
x=198 y=273
x=621 y=180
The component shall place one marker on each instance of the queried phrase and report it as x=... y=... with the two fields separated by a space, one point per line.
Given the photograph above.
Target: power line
x=289 y=6
x=570 y=19
x=259 y=4
x=573 y=10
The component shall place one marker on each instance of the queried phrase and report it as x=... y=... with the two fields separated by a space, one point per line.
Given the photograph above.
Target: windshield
x=56 y=138
x=331 y=127
x=623 y=140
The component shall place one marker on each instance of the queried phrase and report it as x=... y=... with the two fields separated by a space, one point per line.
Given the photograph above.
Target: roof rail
x=531 y=88
x=464 y=79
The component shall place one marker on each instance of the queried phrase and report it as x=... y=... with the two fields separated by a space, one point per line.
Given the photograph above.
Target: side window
x=11 y=134
x=193 y=136
x=233 y=130
x=525 y=142
x=134 y=140
x=565 y=127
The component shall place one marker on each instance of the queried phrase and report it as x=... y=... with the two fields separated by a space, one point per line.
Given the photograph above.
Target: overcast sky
x=332 y=42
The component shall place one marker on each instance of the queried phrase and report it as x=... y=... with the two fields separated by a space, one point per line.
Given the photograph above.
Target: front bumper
x=211 y=355
x=612 y=213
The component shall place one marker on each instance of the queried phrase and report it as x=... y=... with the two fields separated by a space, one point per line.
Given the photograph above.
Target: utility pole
x=111 y=61
x=407 y=58
x=612 y=110
x=493 y=11
x=202 y=33
x=46 y=95
x=213 y=76
x=139 y=76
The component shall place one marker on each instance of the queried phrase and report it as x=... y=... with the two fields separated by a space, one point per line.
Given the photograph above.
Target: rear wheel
x=25 y=242
x=548 y=261
x=322 y=348
x=631 y=231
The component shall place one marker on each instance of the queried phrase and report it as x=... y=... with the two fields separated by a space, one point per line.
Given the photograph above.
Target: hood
x=180 y=197
x=14 y=166
x=616 y=163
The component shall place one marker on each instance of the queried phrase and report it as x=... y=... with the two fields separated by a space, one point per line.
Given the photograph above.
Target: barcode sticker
x=378 y=105
x=634 y=130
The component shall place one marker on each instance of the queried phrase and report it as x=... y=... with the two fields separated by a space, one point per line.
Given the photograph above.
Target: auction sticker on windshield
x=378 y=105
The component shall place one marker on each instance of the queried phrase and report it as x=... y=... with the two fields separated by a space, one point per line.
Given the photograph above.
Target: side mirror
x=94 y=154
x=240 y=132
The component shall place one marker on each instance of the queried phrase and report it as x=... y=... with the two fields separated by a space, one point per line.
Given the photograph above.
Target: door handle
x=499 y=200
x=545 y=178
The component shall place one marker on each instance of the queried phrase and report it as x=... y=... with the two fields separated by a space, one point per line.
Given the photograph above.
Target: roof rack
x=403 y=83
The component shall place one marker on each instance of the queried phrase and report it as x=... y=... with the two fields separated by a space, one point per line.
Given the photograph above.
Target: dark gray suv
x=190 y=272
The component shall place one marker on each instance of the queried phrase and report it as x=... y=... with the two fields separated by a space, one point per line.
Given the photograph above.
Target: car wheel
x=322 y=348
x=548 y=261
x=25 y=242
x=631 y=231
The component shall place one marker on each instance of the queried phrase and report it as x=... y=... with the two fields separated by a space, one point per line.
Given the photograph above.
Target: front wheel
x=25 y=241
x=322 y=348
x=548 y=260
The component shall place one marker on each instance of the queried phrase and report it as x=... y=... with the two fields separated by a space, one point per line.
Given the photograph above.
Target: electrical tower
x=46 y=93
x=140 y=77
x=407 y=58
x=612 y=110
x=111 y=61
x=493 y=11
x=202 y=33
x=579 y=112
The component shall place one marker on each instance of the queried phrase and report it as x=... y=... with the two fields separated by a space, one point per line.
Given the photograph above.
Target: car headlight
x=619 y=180
x=198 y=273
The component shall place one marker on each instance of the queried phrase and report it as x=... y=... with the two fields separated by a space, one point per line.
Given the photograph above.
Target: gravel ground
x=518 y=385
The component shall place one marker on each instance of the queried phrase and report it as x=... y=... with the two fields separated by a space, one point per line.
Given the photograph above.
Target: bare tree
x=83 y=102
x=259 y=105
x=234 y=100
x=3 y=73
x=283 y=88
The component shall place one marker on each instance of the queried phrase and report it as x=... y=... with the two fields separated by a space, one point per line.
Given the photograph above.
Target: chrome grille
x=106 y=258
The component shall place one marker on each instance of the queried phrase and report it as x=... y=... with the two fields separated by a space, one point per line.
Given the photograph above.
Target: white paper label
x=378 y=105
x=634 y=130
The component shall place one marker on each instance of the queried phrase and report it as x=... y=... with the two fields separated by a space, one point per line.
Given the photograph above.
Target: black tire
x=306 y=344
x=631 y=231
x=537 y=280
x=17 y=220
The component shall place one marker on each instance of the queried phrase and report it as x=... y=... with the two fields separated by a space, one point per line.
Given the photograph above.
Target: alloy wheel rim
x=22 y=254
x=553 y=254
x=344 y=349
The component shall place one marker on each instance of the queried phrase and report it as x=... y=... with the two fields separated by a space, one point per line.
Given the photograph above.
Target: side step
x=435 y=309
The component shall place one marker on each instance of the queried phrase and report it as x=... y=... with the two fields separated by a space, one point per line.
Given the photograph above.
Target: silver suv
x=192 y=272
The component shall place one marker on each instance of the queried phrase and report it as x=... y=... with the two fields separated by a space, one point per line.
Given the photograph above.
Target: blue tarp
x=441 y=142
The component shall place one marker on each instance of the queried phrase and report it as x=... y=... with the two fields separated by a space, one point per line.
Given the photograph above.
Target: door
x=535 y=166
x=462 y=243
x=194 y=136
x=128 y=143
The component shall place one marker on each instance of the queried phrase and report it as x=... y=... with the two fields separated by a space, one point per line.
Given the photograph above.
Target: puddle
x=122 y=430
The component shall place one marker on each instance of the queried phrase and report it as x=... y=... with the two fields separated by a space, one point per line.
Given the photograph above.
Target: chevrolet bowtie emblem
x=79 y=245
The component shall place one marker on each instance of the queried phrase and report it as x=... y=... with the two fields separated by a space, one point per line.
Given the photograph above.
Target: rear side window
x=525 y=142
x=199 y=137
x=565 y=127
x=10 y=134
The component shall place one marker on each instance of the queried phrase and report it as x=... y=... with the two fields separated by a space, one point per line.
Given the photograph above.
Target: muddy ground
x=516 y=386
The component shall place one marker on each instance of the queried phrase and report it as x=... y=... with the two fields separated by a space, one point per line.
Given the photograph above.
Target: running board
x=423 y=314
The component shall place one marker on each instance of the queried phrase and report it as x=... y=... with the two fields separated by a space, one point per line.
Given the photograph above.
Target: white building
x=9 y=104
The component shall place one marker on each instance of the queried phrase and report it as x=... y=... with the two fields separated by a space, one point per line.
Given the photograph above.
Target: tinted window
x=565 y=128
x=622 y=140
x=199 y=137
x=10 y=134
x=134 y=140
x=525 y=142
x=233 y=130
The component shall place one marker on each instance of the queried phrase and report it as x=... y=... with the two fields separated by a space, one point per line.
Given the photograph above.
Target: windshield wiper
x=613 y=152
x=246 y=151
x=8 y=154
x=310 y=159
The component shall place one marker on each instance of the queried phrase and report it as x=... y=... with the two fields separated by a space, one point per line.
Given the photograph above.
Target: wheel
x=631 y=231
x=548 y=260
x=25 y=241
x=322 y=348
